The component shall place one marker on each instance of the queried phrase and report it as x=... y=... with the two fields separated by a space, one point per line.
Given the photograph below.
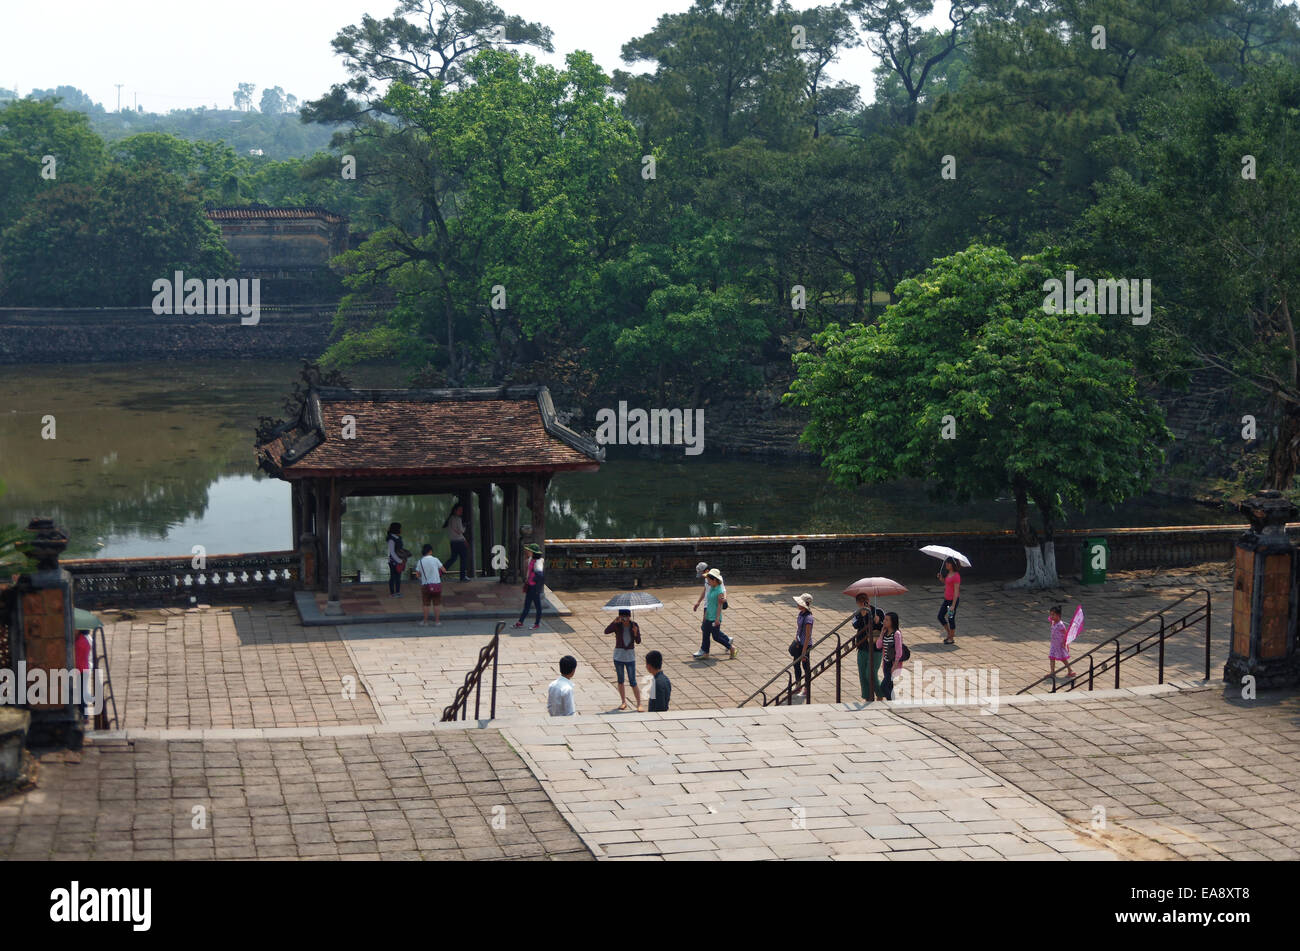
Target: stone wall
x=35 y=336
x=573 y=563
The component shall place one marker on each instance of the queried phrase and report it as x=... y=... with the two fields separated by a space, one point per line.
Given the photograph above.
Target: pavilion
x=462 y=442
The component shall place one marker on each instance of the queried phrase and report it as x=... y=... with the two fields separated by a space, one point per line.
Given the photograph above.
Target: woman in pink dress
x=1060 y=650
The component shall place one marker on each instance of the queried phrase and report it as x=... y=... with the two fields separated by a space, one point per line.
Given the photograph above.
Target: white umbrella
x=940 y=552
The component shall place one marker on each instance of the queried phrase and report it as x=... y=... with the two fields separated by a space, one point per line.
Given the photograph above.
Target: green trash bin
x=1096 y=559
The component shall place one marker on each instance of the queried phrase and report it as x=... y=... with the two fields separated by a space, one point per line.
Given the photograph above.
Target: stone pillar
x=1264 y=599
x=537 y=505
x=43 y=620
x=334 y=571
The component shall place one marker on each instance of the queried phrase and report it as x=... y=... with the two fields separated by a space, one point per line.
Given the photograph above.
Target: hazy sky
x=176 y=54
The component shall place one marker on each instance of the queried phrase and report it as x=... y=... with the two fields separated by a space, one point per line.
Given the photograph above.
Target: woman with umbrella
x=627 y=634
x=951 y=579
x=868 y=622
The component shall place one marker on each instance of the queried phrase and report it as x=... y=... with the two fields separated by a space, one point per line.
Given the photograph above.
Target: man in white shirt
x=430 y=571
x=559 y=696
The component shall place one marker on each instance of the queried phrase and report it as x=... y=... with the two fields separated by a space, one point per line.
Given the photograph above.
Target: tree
x=30 y=130
x=1205 y=207
x=273 y=102
x=725 y=70
x=78 y=246
x=534 y=169
x=14 y=542
x=968 y=383
x=906 y=48
x=244 y=96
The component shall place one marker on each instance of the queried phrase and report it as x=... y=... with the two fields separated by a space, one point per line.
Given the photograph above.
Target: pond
x=153 y=459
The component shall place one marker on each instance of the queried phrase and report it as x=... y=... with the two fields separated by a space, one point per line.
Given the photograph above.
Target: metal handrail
x=474 y=681
x=815 y=670
x=1167 y=629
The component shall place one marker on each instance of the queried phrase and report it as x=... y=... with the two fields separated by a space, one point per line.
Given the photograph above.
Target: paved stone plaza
x=319 y=742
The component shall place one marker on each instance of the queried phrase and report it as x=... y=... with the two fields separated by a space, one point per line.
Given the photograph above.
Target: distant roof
x=248 y=212
x=427 y=433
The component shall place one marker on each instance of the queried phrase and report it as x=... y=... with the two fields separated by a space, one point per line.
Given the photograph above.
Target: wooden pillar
x=485 y=529
x=295 y=503
x=466 y=497
x=335 y=570
x=537 y=503
x=321 y=530
x=510 y=530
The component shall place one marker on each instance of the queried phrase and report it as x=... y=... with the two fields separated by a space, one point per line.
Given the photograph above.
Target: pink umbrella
x=1076 y=626
x=874 y=587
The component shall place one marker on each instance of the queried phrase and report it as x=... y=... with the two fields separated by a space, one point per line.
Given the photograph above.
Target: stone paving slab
x=367 y=602
x=1173 y=773
x=446 y=795
x=816 y=802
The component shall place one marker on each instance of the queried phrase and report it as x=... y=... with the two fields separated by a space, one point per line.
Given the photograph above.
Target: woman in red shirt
x=951 y=579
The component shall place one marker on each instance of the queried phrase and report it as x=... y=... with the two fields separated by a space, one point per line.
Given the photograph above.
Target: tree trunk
x=1040 y=554
x=1282 y=461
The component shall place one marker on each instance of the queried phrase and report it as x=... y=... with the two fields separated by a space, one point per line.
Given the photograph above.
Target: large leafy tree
x=1217 y=233
x=105 y=246
x=968 y=383
x=531 y=189
x=30 y=130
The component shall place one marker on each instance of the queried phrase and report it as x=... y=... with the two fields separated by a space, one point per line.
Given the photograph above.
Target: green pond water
x=153 y=459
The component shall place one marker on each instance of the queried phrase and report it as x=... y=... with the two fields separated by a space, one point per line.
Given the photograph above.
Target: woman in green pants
x=867 y=622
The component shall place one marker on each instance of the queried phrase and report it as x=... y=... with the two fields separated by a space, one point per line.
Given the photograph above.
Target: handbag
x=796 y=649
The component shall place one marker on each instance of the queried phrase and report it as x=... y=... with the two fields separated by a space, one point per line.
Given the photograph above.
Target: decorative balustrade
x=223 y=578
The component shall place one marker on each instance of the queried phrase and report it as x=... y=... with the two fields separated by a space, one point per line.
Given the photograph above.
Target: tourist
x=1059 y=649
x=455 y=526
x=867 y=621
x=430 y=571
x=892 y=652
x=951 y=579
x=660 y=689
x=714 y=601
x=397 y=555
x=84 y=649
x=534 y=582
x=700 y=571
x=559 y=695
x=801 y=645
x=627 y=634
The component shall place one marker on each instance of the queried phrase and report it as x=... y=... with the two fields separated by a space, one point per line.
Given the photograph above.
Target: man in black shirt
x=660 y=688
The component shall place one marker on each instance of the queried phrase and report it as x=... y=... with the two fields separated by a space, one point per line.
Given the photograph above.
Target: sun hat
x=804 y=601
x=534 y=548
x=701 y=568
x=714 y=573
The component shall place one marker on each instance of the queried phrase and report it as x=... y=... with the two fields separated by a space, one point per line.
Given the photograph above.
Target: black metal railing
x=834 y=659
x=459 y=709
x=1166 y=630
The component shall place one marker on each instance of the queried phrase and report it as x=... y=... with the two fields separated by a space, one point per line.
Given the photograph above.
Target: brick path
x=229 y=668
x=397 y=796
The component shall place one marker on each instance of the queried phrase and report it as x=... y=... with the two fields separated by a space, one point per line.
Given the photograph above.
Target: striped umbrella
x=633 y=601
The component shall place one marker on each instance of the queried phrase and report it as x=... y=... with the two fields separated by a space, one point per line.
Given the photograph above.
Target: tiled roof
x=420 y=433
x=257 y=212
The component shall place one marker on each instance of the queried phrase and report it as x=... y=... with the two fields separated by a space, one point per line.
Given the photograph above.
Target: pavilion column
x=485 y=529
x=537 y=503
x=510 y=530
x=296 y=504
x=335 y=571
x=466 y=498
x=320 y=528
